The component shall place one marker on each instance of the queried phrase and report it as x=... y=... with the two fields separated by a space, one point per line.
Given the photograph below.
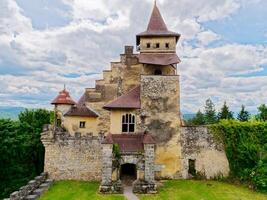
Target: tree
x=210 y=113
x=262 y=112
x=225 y=113
x=243 y=115
x=199 y=119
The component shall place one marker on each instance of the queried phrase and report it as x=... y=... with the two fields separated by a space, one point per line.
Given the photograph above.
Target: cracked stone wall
x=160 y=115
x=72 y=157
x=209 y=155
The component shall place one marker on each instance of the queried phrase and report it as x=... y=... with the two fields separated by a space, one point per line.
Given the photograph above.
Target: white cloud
x=96 y=35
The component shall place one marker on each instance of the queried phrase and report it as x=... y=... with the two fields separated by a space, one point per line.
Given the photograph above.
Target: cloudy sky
x=47 y=43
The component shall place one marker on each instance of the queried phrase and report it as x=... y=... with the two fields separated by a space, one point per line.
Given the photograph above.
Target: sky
x=45 y=44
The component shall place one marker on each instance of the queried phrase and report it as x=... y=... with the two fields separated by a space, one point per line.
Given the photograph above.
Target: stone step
x=38 y=192
x=31 y=197
x=49 y=181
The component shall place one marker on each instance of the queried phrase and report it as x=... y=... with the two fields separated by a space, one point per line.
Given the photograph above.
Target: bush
x=246 y=149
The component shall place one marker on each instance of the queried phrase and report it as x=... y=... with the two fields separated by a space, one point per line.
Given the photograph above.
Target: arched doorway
x=128 y=173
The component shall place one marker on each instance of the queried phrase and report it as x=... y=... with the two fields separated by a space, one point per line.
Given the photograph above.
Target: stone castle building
x=130 y=124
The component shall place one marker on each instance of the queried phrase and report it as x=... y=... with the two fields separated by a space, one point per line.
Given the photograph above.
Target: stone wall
x=72 y=157
x=208 y=154
x=160 y=116
x=33 y=189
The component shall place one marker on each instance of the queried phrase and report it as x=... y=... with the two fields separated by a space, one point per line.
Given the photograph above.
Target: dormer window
x=148 y=45
x=157 y=45
x=128 y=123
x=167 y=45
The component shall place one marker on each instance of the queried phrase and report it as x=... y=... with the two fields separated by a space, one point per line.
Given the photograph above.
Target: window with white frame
x=128 y=123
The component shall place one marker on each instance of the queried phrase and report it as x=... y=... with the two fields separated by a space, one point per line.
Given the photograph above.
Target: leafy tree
x=225 y=113
x=21 y=151
x=243 y=115
x=210 y=113
x=262 y=113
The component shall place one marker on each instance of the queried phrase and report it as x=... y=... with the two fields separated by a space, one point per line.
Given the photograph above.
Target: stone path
x=128 y=193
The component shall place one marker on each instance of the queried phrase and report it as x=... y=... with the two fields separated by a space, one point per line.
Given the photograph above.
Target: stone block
x=38 y=192
x=31 y=197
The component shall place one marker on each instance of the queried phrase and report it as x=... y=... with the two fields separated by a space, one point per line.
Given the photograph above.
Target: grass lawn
x=76 y=190
x=203 y=190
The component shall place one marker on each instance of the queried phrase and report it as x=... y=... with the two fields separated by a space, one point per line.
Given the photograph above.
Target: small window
x=128 y=123
x=82 y=124
x=157 y=72
x=167 y=45
x=148 y=45
x=157 y=45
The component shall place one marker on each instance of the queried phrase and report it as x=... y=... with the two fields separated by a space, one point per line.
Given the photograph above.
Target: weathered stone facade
x=208 y=154
x=72 y=157
x=145 y=124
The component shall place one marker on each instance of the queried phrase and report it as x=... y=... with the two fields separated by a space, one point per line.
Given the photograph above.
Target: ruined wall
x=72 y=157
x=160 y=113
x=209 y=155
x=121 y=78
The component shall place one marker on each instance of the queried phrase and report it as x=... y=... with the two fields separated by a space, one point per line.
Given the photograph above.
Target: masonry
x=72 y=157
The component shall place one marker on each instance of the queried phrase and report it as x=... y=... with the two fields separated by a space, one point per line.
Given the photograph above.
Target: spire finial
x=155 y=2
x=64 y=86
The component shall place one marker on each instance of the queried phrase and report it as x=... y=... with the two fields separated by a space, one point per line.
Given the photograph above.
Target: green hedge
x=246 y=149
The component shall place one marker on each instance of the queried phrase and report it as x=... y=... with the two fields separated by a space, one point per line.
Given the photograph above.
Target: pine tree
x=210 y=113
x=243 y=115
x=225 y=113
x=199 y=119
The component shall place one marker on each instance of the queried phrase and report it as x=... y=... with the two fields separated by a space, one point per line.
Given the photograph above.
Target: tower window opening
x=157 y=72
x=148 y=45
x=128 y=123
x=157 y=45
x=82 y=124
x=167 y=45
x=192 y=167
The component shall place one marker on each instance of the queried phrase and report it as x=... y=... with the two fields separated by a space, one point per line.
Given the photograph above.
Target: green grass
x=203 y=190
x=172 y=190
x=76 y=190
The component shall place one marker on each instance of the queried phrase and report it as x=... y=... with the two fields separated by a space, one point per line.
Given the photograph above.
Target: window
x=157 y=72
x=157 y=45
x=128 y=123
x=148 y=45
x=58 y=122
x=82 y=124
x=192 y=167
x=167 y=45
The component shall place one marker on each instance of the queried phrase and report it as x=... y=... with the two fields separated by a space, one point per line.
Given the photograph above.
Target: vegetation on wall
x=21 y=151
x=246 y=149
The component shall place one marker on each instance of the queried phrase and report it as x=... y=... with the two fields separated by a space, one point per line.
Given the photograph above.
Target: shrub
x=246 y=149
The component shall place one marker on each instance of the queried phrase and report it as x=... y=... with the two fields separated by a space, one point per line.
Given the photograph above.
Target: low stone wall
x=200 y=146
x=33 y=189
x=72 y=157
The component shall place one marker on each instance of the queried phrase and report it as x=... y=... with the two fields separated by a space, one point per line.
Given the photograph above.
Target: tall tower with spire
x=157 y=45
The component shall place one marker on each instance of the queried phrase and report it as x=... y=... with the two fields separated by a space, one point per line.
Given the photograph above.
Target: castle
x=130 y=124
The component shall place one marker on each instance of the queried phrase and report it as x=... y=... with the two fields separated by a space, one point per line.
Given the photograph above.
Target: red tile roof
x=156 y=27
x=128 y=100
x=159 y=58
x=81 y=109
x=129 y=142
x=63 y=98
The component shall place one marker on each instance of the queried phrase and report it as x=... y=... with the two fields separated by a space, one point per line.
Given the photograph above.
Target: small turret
x=63 y=102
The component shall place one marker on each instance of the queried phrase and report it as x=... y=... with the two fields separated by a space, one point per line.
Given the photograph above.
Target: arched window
x=128 y=123
x=157 y=72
